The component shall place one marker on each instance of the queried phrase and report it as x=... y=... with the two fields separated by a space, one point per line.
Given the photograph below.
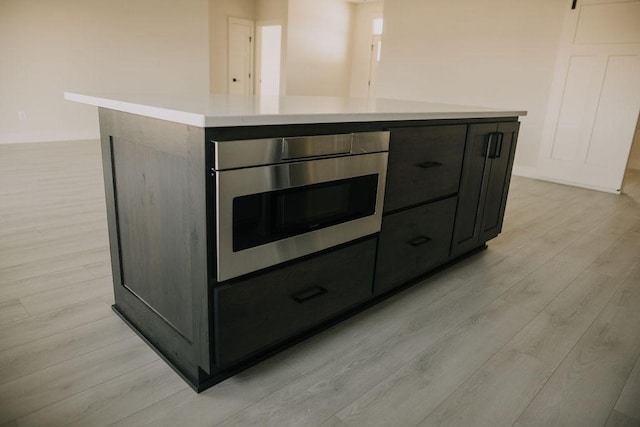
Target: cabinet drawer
x=424 y=164
x=412 y=242
x=261 y=311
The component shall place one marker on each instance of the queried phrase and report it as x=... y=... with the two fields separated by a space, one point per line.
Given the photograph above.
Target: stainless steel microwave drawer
x=262 y=311
x=424 y=164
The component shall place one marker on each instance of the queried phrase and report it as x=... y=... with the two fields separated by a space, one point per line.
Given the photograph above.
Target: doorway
x=268 y=59
x=374 y=59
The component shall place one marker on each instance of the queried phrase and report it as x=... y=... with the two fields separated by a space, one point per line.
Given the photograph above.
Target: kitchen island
x=239 y=226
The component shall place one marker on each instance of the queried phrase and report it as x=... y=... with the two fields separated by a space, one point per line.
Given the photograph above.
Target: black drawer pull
x=426 y=165
x=420 y=240
x=309 y=294
x=499 y=145
x=494 y=145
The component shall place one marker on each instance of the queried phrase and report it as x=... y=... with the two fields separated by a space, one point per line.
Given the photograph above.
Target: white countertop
x=223 y=110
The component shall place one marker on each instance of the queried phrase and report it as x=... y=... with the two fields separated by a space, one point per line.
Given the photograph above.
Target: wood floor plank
x=586 y=249
x=539 y=288
x=66 y=296
x=585 y=387
x=629 y=401
x=45 y=387
x=112 y=400
x=553 y=333
x=11 y=311
x=74 y=230
x=20 y=224
x=414 y=391
x=35 y=327
x=46 y=282
x=51 y=350
x=618 y=419
x=318 y=395
x=54 y=263
x=99 y=269
x=334 y=422
x=89 y=241
x=496 y=395
x=620 y=258
x=524 y=241
x=215 y=404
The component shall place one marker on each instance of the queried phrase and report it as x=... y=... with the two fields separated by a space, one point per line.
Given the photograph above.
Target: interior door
x=240 y=57
x=595 y=97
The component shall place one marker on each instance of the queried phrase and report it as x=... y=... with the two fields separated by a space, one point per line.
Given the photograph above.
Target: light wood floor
x=542 y=328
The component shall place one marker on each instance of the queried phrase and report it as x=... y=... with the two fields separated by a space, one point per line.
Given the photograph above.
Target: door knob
x=235 y=80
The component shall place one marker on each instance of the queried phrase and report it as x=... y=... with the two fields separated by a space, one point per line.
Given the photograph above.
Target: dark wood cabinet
x=413 y=242
x=424 y=164
x=261 y=311
x=424 y=167
x=484 y=184
x=446 y=191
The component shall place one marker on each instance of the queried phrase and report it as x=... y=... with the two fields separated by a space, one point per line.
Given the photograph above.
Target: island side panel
x=155 y=183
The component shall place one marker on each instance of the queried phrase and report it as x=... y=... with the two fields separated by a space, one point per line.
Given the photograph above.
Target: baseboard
x=579 y=185
x=525 y=171
x=531 y=172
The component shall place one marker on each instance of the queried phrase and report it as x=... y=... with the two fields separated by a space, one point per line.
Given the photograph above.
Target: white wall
x=219 y=13
x=361 y=47
x=318 y=47
x=48 y=47
x=495 y=53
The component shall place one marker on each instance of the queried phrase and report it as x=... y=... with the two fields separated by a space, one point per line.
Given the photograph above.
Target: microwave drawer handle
x=302 y=147
x=309 y=294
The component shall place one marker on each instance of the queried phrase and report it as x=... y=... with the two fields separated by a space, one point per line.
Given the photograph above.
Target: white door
x=240 y=57
x=595 y=97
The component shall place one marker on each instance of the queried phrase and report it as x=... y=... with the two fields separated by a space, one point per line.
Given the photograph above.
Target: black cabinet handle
x=490 y=147
x=499 y=145
x=426 y=165
x=420 y=240
x=309 y=294
x=494 y=146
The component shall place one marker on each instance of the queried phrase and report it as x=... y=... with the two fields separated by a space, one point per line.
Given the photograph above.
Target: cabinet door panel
x=466 y=232
x=424 y=164
x=498 y=179
x=412 y=242
x=259 y=312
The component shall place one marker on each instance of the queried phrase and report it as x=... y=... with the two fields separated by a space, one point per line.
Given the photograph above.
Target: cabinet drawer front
x=256 y=313
x=424 y=164
x=412 y=242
